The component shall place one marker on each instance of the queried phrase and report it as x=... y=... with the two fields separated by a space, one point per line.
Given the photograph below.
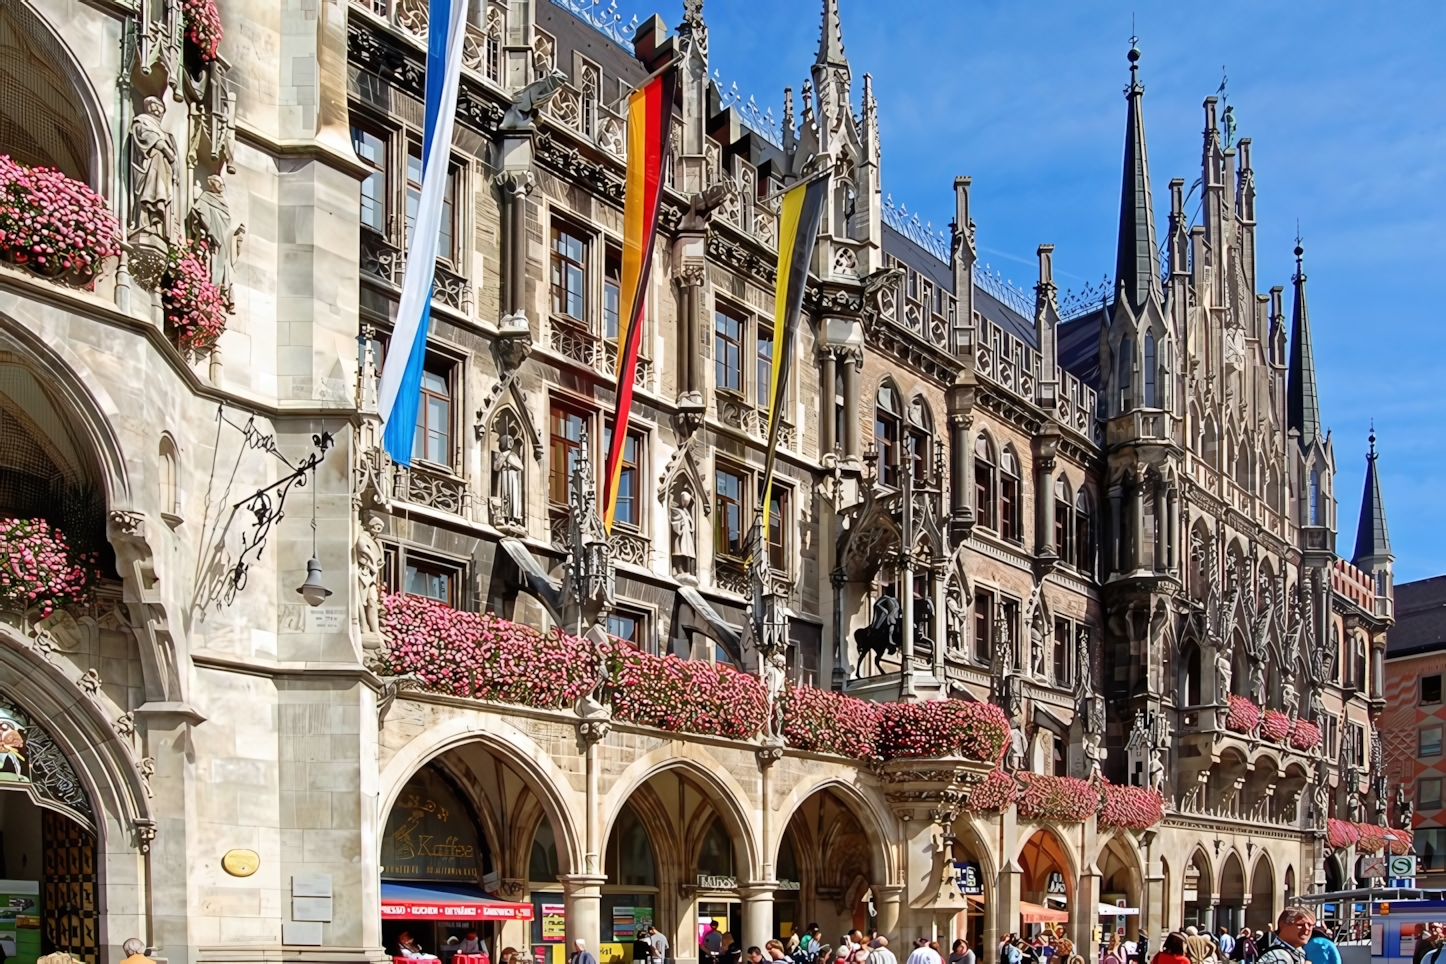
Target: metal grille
x=40 y=118
x=68 y=905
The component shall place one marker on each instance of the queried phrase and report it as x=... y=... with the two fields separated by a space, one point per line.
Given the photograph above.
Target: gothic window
x=1151 y=401
x=1272 y=489
x=921 y=425
x=492 y=46
x=728 y=351
x=591 y=85
x=170 y=488
x=1192 y=675
x=628 y=510
x=612 y=288
x=433 y=441
x=1317 y=510
x=445 y=232
x=778 y=502
x=371 y=149
x=1242 y=466
x=1009 y=491
x=1210 y=443
x=569 y=273
x=42 y=117
x=629 y=859
x=1125 y=363
x=728 y=514
x=763 y=378
x=983 y=625
x=1063 y=523
x=565 y=447
x=1084 y=547
x=984 y=482
x=886 y=434
x=1060 y=647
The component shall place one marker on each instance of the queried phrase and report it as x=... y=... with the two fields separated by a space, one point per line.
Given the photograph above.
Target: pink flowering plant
x=975 y=731
x=685 y=695
x=203 y=26
x=1243 y=716
x=38 y=569
x=1305 y=735
x=1062 y=799
x=822 y=721
x=1275 y=726
x=995 y=792
x=195 y=308
x=1341 y=833
x=54 y=225
x=1129 y=807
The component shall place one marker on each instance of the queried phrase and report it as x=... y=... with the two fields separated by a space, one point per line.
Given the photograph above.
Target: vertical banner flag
x=797 y=230
x=401 y=383
x=650 y=121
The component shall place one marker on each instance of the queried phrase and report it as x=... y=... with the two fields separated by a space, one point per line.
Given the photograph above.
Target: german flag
x=797 y=230
x=650 y=121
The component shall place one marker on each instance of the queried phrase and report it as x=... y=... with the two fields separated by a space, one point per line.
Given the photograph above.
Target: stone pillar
x=515 y=187
x=961 y=459
x=1137 y=523
x=1172 y=530
x=582 y=896
x=887 y=898
x=1161 y=527
x=757 y=899
x=828 y=404
x=690 y=285
x=851 y=407
x=1044 y=507
x=906 y=593
x=1084 y=913
x=1115 y=556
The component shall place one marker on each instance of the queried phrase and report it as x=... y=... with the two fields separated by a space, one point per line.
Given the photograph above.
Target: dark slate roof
x=1420 y=618
x=1137 y=258
x=1079 y=347
x=575 y=34
x=1371 y=536
x=1302 y=410
x=1005 y=317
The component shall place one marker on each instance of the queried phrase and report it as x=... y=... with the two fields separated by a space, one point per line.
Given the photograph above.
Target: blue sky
x=1343 y=102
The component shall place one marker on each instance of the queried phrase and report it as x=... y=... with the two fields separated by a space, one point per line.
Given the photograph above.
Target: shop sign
x=1055 y=883
x=430 y=834
x=554 y=922
x=717 y=882
x=969 y=877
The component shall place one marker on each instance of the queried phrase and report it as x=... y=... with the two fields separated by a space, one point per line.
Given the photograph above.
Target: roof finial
x=1134 y=54
x=1298 y=249
x=1372 y=439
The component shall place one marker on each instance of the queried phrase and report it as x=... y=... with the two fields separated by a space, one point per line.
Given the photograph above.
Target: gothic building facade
x=1111 y=516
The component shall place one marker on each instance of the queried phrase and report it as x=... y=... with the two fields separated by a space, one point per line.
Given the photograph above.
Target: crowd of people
x=1295 y=939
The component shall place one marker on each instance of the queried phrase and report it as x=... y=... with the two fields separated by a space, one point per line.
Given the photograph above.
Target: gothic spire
x=1302 y=411
x=1137 y=259
x=830 y=42
x=1371 y=536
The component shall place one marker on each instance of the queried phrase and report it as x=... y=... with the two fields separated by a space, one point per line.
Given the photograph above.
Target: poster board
x=20 y=920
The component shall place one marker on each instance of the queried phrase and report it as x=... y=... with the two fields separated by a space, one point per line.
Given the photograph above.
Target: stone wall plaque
x=240 y=863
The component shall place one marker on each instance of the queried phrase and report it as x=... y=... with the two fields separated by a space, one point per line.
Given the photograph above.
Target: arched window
x=1125 y=363
x=715 y=856
x=1009 y=496
x=629 y=859
x=1151 y=401
x=42 y=116
x=1242 y=467
x=920 y=432
x=1317 y=511
x=984 y=482
x=1210 y=443
x=1063 y=520
x=1272 y=489
x=886 y=433
x=170 y=478
x=1084 y=547
x=1192 y=675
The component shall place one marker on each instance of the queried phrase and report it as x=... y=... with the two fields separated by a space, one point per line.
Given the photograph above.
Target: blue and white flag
x=401 y=383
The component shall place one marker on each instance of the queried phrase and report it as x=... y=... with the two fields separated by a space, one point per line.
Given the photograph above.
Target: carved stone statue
x=685 y=547
x=882 y=636
x=1036 y=649
x=369 y=562
x=923 y=624
x=1257 y=681
x=956 y=616
x=530 y=99
x=153 y=173
x=775 y=674
x=507 y=468
x=1353 y=794
x=1224 y=672
x=1094 y=754
x=1289 y=698
x=1317 y=706
x=1017 y=747
x=1321 y=795
x=1157 y=769
x=211 y=221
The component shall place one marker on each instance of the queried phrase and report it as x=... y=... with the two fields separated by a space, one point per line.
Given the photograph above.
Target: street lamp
x=312 y=590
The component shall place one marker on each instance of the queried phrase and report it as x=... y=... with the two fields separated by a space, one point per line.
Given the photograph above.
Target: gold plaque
x=240 y=863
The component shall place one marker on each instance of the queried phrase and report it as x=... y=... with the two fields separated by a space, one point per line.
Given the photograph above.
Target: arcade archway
x=1047 y=886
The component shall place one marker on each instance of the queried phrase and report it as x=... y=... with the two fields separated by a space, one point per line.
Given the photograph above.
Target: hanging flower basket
x=195 y=308
x=53 y=225
x=686 y=695
x=1275 y=726
x=994 y=793
x=203 y=26
x=1061 y=799
x=1129 y=807
x=1243 y=716
x=1305 y=735
x=975 y=731
x=1340 y=834
x=1400 y=841
x=822 y=721
x=38 y=569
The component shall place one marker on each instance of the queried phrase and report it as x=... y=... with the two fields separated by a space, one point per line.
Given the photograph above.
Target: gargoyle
x=530 y=99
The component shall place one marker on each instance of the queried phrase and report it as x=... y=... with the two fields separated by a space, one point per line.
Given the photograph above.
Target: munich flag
x=650 y=120
x=797 y=230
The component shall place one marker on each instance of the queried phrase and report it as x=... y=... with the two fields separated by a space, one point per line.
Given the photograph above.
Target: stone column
x=1172 y=530
x=582 y=896
x=1084 y=913
x=1161 y=527
x=690 y=285
x=1115 y=556
x=1137 y=523
x=851 y=407
x=515 y=187
x=828 y=404
x=906 y=600
x=757 y=899
x=887 y=898
x=1044 y=507
x=961 y=458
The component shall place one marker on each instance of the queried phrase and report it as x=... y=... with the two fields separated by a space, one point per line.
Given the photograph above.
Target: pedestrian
x=1115 y=952
x=657 y=946
x=774 y=950
x=961 y=953
x=922 y=953
x=879 y=952
x=580 y=953
x=1027 y=953
x=509 y=955
x=1197 y=947
x=1427 y=942
x=712 y=943
x=642 y=950
x=732 y=952
x=1292 y=930
x=1008 y=952
x=1320 y=949
x=1173 y=950
x=755 y=956
x=812 y=940
x=1142 y=946
x=1246 y=949
x=1226 y=943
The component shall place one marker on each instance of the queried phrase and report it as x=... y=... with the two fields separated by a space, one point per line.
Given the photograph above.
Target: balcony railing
x=384 y=261
x=430 y=487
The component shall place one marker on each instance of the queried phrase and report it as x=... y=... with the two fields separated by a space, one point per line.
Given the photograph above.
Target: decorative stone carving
x=153 y=191
x=211 y=222
x=682 y=521
x=369 y=562
x=530 y=99
x=27 y=751
x=507 y=466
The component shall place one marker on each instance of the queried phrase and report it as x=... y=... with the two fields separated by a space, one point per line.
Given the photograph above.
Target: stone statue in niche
x=1289 y=697
x=211 y=222
x=507 y=466
x=153 y=173
x=956 y=617
x=923 y=625
x=369 y=563
x=685 y=546
x=1094 y=754
x=1036 y=648
x=1405 y=809
x=1257 y=682
x=1224 y=672
x=775 y=675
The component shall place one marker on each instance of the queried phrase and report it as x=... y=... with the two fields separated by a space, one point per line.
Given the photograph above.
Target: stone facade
x=1109 y=516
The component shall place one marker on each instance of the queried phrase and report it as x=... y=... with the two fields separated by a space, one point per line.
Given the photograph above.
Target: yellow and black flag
x=798 y=222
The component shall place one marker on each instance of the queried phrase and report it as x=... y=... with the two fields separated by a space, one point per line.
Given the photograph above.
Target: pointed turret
x=1137 y=261
x=1373 y=543
x=1302 y=411
x=830 y=42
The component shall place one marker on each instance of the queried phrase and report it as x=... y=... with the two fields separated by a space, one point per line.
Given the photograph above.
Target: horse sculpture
x=883 y=636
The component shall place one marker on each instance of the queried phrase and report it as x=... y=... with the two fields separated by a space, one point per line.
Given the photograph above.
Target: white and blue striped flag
x=401 y=382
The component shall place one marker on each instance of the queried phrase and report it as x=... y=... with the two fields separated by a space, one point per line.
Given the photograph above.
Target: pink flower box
x=203 y=26
x=38 y=569
x=1243 y=716
x=1274 y=726
x=1062 y=799
x=1130 y=807
x=1305 y=736
x=54 y=226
